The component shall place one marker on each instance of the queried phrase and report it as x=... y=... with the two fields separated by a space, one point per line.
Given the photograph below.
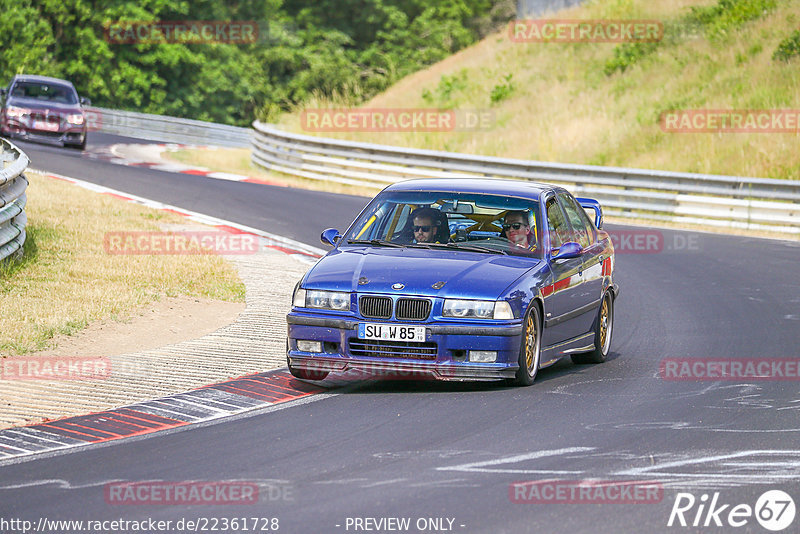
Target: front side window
x=477 y=222
x=557 y=225
x=577 y=219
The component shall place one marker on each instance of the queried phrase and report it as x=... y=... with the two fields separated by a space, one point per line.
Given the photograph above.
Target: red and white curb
x=208 y=403
x=115 y=155
x=299 y=250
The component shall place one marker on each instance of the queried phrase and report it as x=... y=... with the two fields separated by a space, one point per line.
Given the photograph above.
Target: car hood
x=41 y=105
x=442 y=273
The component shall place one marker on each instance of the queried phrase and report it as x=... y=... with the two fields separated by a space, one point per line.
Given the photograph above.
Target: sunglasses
x=515 y=226
x=422 y=228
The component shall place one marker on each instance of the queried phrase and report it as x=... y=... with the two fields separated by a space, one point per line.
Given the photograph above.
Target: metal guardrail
x=723 y=201
x=12 y=198
x=534 y=8
x=166 y=129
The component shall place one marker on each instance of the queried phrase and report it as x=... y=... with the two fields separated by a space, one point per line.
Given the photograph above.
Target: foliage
x=727 y=15
x=715 y=21
x=788 y=48
x=502 y=91
x=626 y=55
x=305 y=48
x=447 y=89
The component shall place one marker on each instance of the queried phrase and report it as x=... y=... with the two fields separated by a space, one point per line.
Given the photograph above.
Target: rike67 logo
x=774 y=510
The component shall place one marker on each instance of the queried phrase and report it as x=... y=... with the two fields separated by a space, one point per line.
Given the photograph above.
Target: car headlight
x=14 y=111
x=477 y=309
x=326 y=300
x=75 y=118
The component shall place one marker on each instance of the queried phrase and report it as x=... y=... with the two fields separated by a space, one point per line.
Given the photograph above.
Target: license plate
x=391 y=332
x=45 y=126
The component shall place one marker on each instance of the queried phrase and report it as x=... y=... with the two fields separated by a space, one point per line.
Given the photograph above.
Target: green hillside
x=601 y=103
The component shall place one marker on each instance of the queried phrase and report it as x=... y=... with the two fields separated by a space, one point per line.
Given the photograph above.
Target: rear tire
x=530 y=349
x=604 y=327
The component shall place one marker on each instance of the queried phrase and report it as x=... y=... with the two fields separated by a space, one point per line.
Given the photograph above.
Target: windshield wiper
x=470 y=248
x=376 y=242
x=476 y=248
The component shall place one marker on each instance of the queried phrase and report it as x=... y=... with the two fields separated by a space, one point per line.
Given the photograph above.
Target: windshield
x=50 y=92
x=440 y=220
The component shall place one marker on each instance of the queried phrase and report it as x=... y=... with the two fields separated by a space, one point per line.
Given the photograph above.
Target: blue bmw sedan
x=458 y=279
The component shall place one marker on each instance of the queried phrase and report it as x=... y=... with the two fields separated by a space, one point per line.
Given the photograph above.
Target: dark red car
x=40 y=108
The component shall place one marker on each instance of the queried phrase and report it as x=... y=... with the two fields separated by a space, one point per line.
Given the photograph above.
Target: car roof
x=41 y=79
x=492 y=186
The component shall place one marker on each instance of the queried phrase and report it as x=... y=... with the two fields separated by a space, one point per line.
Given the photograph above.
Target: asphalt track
x=450 y=451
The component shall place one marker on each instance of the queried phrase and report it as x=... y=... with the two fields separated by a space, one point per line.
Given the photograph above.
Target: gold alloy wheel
x=530 y=342
x=603 y=324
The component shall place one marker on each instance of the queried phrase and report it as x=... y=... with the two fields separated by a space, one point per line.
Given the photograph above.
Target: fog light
x=306 y=345
x=483 y=356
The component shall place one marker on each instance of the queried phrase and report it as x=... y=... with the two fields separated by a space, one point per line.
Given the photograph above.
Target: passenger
x=517 y=229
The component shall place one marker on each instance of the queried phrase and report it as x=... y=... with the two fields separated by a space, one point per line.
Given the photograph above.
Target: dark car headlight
x=477 y=309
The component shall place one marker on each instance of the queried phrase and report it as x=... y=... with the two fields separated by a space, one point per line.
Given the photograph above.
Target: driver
x=427 y=226
x=424 y=225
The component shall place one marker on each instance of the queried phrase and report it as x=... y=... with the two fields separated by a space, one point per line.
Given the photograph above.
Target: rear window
x=50 y=92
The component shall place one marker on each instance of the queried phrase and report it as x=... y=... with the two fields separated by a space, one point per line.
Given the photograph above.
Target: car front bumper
x=447 y=345
x=66 y=134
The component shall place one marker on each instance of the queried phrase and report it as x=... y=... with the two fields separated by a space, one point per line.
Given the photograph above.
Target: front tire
x=604 y=326
x=78 y=146
x=530 y=349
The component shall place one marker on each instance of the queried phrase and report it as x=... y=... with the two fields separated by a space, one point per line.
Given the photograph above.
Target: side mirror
x=330 y=237
x=568 y=251
x=85 y=101
x=3 y=91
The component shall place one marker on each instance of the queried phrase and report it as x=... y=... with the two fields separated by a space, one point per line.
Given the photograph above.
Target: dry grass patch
x=565 y=108
x=66 y=279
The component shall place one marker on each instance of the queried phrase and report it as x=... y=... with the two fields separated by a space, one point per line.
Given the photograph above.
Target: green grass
x=65 y=280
